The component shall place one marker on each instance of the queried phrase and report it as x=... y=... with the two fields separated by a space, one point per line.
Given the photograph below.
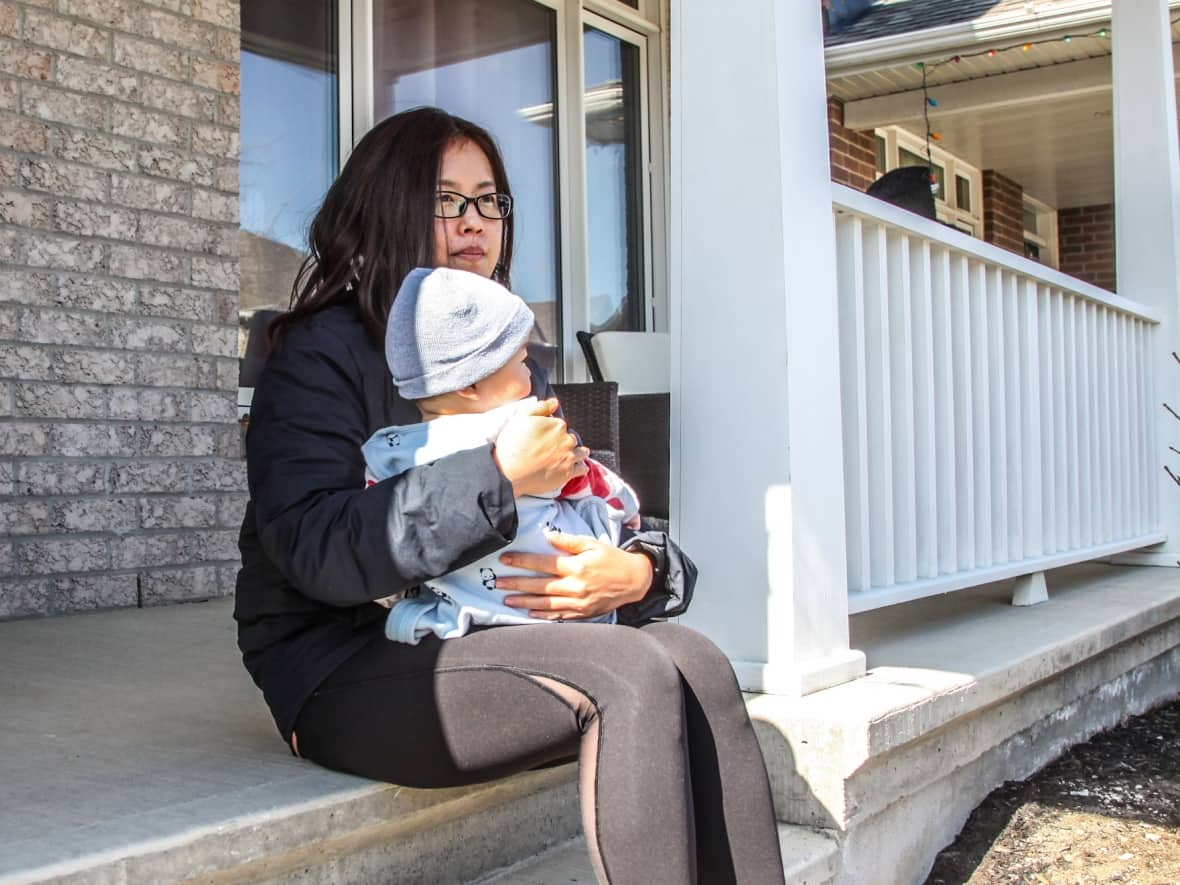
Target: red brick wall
x=1003 y=211
x=853 y=153
x=1086 y=244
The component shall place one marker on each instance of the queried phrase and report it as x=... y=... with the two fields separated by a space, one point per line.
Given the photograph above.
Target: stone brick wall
x=120 y=478
x=1003 y=211
x=1086 y=244
x=853 y=154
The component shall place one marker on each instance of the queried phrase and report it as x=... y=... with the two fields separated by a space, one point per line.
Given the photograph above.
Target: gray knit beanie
x=450 y=328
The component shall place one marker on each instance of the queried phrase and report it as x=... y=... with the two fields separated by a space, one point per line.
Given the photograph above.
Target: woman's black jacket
x=317 y=547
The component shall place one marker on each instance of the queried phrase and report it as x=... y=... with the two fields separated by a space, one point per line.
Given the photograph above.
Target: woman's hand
x=587 y=579
x=537 y=453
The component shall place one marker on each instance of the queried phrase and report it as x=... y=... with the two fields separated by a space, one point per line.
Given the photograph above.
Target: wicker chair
x=592 y=411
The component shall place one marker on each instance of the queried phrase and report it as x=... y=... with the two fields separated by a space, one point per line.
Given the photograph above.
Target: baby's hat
x=450 y=328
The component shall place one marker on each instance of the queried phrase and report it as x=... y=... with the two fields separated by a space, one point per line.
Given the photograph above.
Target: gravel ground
x=1106 y=811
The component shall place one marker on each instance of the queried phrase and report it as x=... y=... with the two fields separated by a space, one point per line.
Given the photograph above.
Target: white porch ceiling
x=1042 y=117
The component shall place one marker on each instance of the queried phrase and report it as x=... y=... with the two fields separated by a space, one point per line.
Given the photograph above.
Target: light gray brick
x=92 y=440
x=24 y=135
x=25 y=516
x=215 y=273
x=189 y=511
x=141 y=477
x=151 y=58
x=94 y=592
x=178 y=440
x=101 y=514
x=7 y=478
x=168 y=370
x=7 y=561
x=218 y=76
x=9 y=19
x=10 y=318
x=177 y=166
x=149 y=193
x=180 y=31
x=225 y=374
x=155 y=549
x=214 y=406
x=215 y=206
x=225 y=306
x=145 y=263
x=64 y=179
x=219 y=476
x=51 y=556
x=91 y=367
x=6 y=406
x=231 y=509
x=58 y=327
x=97 y=294
x=180 y=7
x=64 y=253
x=216 y=141
x=48 y=103
x=161 y=586
x=23 y=439
x=14 y=245
x=121 y=15
x=179 y=98
x=228 y=242
x=48 y=478
x=219 y=546
x=96 y=220
x=96 y=149
x=24 y=598
x=220 y=12
x=25 y=61
x=219 y=340
x=25 y=209
x=177 y=233
x=9 y=96
x=42 y=400
x=227 y=178
x=227 y=46
x=22 y=361
x=185 y=304
x=148 y=404
x=56 y=32
x=144 y=334
x=141 y=123
x=229 y=111
x=100 y=78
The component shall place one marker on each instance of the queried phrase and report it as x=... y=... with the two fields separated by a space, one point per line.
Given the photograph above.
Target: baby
x=455 y=345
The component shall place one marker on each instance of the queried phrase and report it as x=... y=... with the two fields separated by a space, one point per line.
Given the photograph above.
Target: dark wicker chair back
x=592 y=410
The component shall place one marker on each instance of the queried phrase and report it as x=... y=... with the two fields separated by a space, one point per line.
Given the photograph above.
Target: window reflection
x=289 y=135
x=614 y=205
x=494 y=63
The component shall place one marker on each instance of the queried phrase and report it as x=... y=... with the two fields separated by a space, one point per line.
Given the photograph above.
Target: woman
x=653 y=712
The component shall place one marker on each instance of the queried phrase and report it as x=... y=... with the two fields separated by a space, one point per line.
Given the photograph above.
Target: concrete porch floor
x=135 y=747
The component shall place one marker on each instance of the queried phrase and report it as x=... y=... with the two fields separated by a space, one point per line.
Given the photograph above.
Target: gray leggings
x=673 y=786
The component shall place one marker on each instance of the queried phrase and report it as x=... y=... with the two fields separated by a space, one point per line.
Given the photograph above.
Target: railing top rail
x=846 y=199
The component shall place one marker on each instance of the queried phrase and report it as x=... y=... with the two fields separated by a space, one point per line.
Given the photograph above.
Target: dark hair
x=376 y=223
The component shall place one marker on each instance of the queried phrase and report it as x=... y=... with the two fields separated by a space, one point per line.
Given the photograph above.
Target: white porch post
x=1147 y=218
x=757 y=485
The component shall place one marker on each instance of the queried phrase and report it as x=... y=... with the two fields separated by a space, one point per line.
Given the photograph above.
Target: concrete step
x=809 y=858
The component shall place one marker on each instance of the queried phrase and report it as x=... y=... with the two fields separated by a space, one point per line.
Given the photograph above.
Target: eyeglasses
x=449 y=204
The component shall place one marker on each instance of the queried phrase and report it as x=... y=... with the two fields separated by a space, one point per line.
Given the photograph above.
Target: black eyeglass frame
x=465 y=201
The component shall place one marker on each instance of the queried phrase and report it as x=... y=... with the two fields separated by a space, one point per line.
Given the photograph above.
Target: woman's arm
x=335 y=541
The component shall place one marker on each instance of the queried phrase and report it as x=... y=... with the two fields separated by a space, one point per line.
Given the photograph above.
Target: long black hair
x=376 y=223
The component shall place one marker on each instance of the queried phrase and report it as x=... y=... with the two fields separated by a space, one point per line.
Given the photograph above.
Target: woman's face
x=470 y=242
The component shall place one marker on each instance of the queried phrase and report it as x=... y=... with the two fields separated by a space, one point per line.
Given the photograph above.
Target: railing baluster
x=985 y=389
x=991 y=364
x=1058 y=453
x=1014 y=395
x=925 y=444
x=879 y=400
x=964 y=440
x=944 y=412
x=1103 y=418
x=901 y=384
x=1032 y=535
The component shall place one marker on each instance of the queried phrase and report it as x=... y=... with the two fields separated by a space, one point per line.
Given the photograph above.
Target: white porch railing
x=998 y=415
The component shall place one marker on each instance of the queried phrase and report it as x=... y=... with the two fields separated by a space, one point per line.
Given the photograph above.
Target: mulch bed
x=1106 y=811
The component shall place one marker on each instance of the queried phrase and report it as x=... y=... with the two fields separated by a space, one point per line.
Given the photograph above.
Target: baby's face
x=507 y=384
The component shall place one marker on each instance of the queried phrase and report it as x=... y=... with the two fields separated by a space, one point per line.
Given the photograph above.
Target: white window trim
x=968 y=220
x=1045 y=236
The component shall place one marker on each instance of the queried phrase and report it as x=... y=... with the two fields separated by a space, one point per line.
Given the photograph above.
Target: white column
x=1147 y=220
x=757 y=483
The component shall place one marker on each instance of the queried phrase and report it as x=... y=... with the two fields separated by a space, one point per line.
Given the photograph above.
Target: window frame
x=970 y=221
x=642 y=27
x=1045 y=236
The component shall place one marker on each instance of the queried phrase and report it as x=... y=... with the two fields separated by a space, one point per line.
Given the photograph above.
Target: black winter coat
x=317 y=546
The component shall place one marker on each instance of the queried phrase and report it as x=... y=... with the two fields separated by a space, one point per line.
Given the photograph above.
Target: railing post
x=1147 y=223
x=757 y=483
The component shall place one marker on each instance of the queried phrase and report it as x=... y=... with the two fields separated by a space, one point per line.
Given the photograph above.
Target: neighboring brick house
x=121 y=482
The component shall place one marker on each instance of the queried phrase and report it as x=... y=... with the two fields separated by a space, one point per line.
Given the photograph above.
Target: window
x=958 y=206
x=1040 y=231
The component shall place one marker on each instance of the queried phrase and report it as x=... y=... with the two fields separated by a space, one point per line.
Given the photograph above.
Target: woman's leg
x=508 y=699
x=737 y=836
